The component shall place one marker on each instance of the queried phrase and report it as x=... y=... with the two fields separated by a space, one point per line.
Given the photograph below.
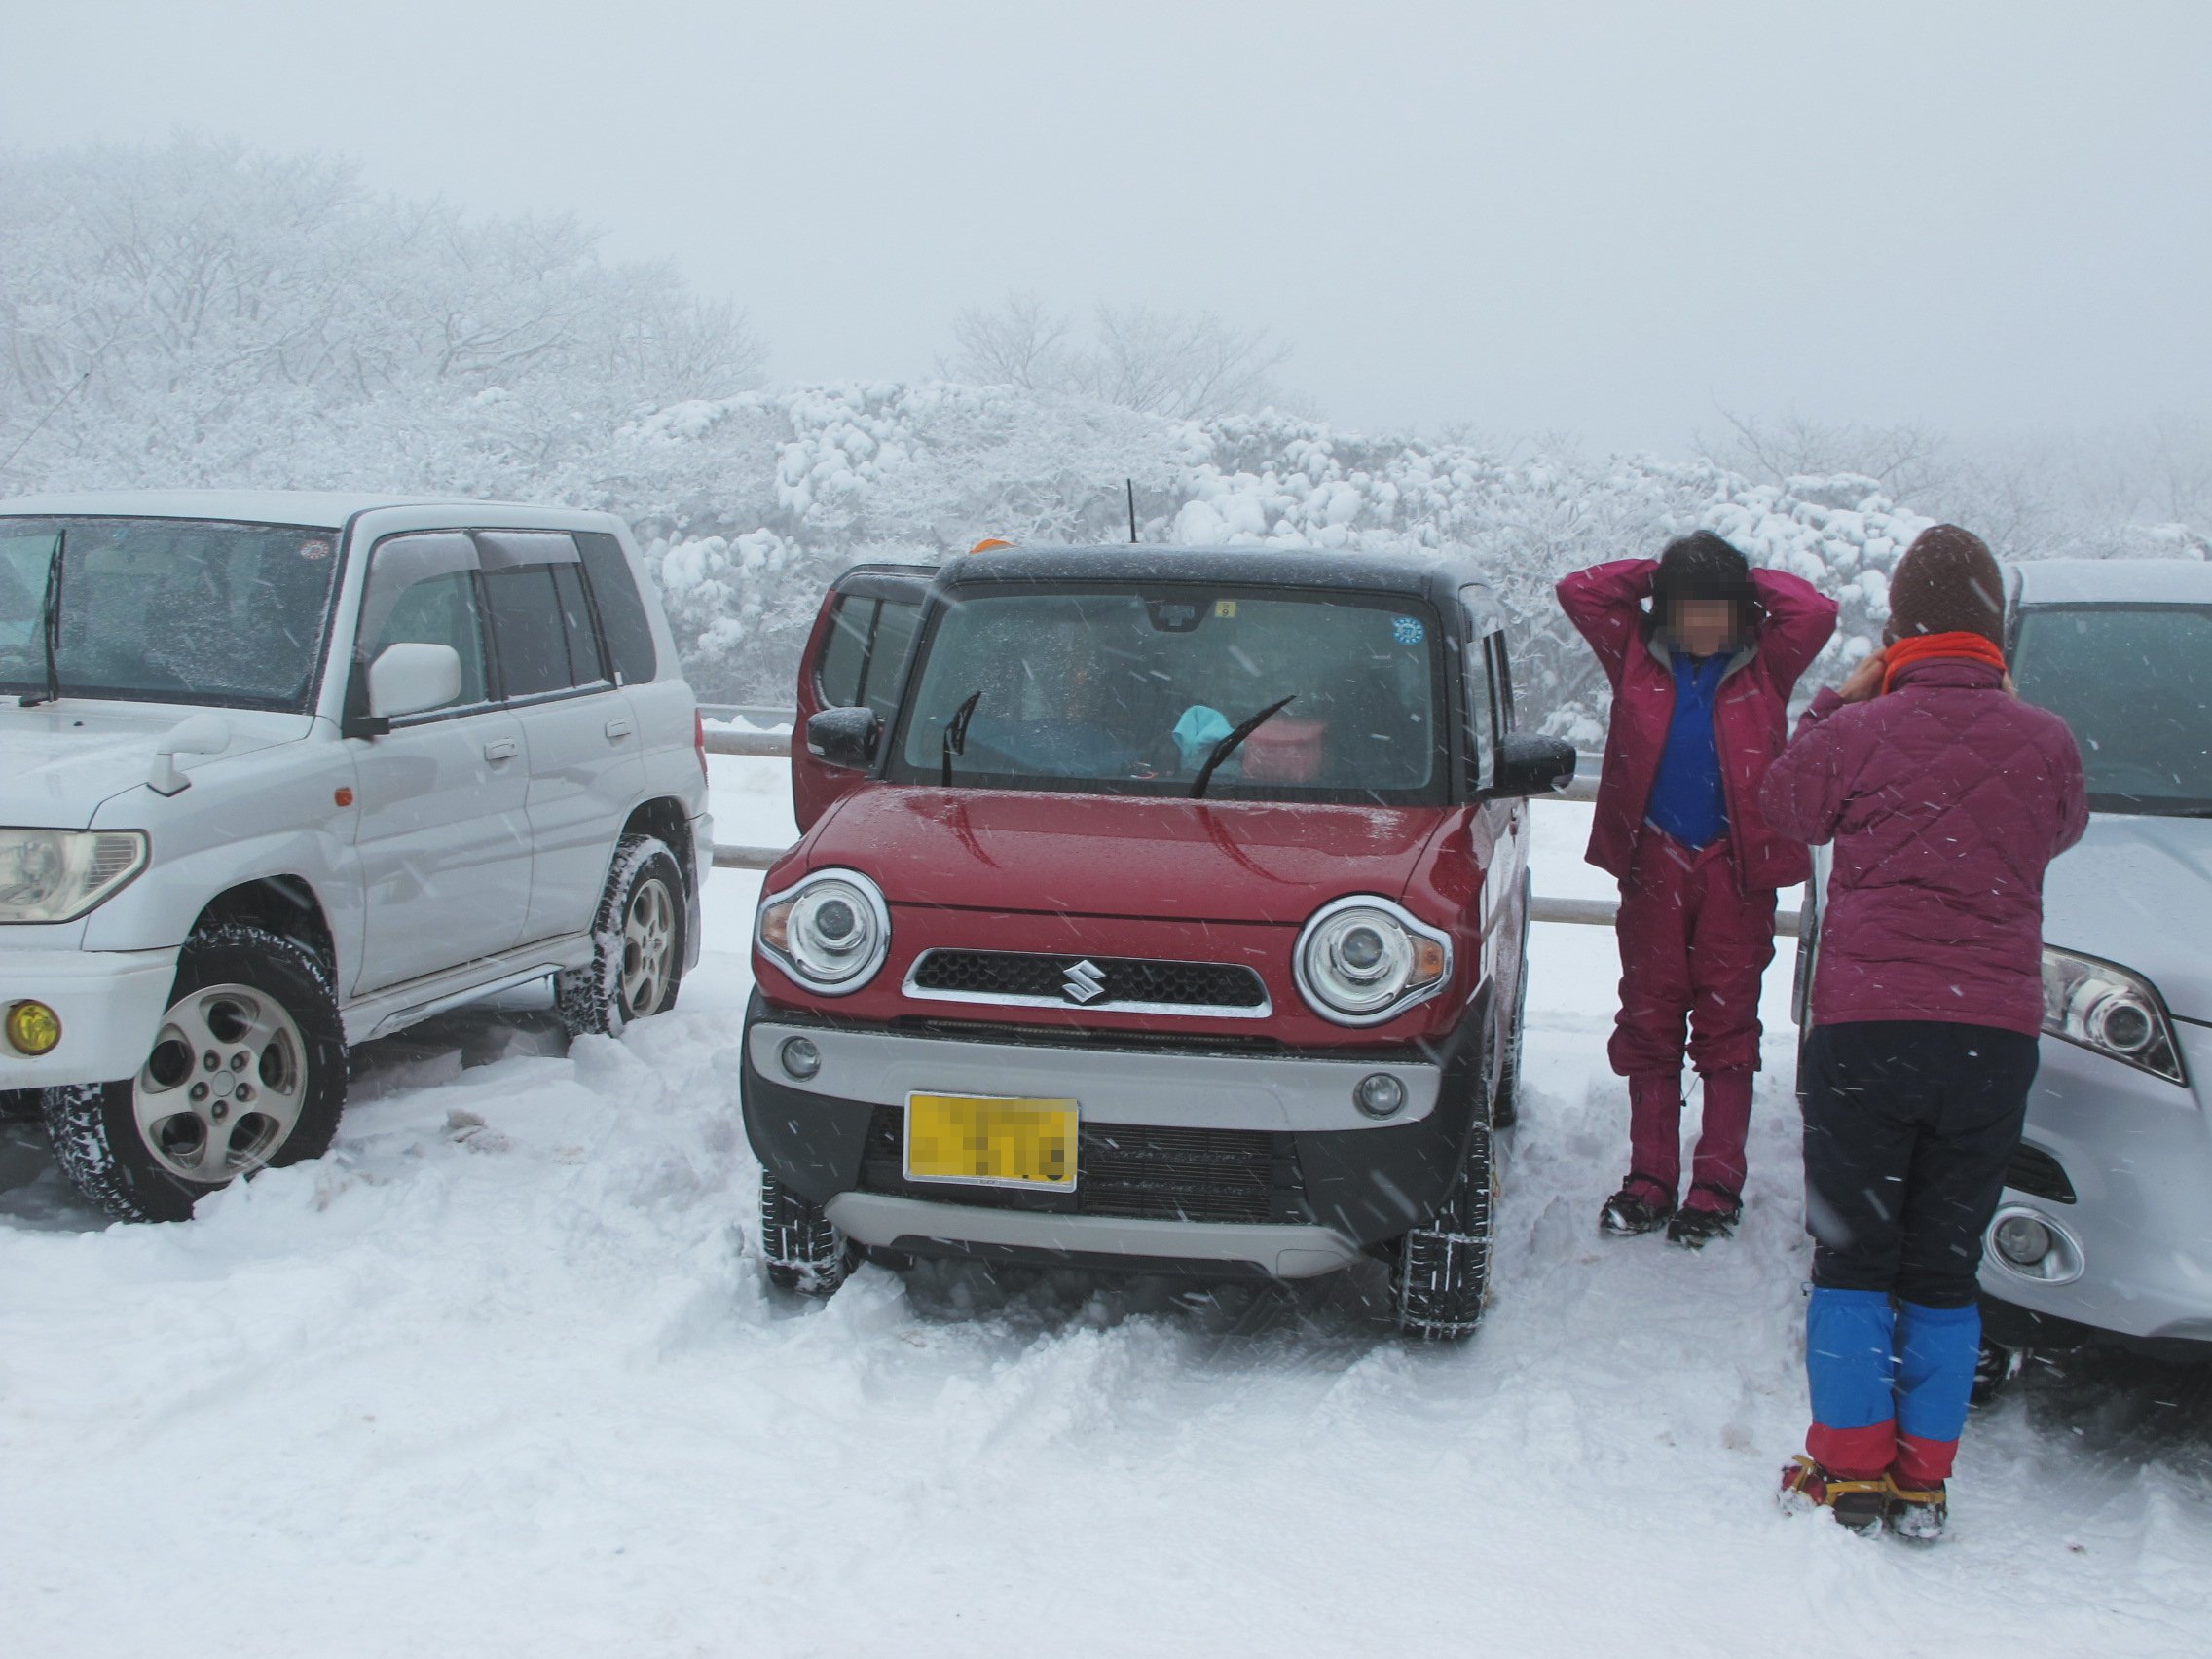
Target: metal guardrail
x=771 y=739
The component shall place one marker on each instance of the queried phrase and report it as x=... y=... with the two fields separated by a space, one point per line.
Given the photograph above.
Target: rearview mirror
x=844 y=737
x=410 y=676
x=1528 y=765
x=200 y=734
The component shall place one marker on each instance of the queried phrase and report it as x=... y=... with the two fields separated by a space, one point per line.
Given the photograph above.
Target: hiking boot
x=1712 y=1212
x=1641 y=1206
x=1863 y=1505
x=1918 y=1511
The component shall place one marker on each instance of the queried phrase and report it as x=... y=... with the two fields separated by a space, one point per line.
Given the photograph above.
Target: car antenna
x=53 y=408
x=1130 y=484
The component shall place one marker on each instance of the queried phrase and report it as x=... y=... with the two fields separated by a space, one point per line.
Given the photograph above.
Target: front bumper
x=1214 y=1161
x=110 y=1003
x=2136 y=1152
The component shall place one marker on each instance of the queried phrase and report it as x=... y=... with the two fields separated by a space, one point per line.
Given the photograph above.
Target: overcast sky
x=1611 y=219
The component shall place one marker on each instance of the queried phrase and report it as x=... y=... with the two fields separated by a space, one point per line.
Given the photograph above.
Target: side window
x=622 y=617
x=844 y=655
x=886 y=664
x=528 y=631
x=584 y=667
x=423 y=590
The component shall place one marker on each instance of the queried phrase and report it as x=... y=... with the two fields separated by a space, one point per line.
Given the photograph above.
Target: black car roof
x=1434 y=575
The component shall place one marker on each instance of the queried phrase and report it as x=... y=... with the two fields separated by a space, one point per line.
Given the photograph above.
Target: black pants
x=1908 y=1127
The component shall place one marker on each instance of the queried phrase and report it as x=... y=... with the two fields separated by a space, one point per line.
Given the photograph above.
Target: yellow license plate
x=991 y=1141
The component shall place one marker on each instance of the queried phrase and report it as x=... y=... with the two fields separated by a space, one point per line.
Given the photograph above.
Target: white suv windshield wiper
x=50 y=626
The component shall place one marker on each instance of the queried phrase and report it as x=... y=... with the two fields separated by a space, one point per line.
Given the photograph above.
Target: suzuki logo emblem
x=1084 y=983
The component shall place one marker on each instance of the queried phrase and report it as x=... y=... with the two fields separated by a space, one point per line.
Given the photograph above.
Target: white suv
x=282 y=772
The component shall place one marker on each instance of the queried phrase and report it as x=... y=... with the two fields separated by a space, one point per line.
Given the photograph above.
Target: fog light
x=800 y=1057
x=2022 y=1241
x=1379 y=1095
x=33 y=1028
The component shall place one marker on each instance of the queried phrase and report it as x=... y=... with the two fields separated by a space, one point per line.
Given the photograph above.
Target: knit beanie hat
x=1947 y=583
x=1700 y=566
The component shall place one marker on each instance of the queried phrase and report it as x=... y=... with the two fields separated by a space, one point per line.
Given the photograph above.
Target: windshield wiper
x=956 y=734
x=1227 y=747
x=50 y=624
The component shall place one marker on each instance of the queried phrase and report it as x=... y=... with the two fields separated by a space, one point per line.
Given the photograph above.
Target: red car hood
x=1120 y=855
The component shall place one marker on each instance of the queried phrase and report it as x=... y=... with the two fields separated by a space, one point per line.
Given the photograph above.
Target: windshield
x=168 y=611
x=2135 y=684
x=1121 y=692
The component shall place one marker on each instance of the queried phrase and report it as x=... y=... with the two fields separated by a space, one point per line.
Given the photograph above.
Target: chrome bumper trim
x=1110 y=1085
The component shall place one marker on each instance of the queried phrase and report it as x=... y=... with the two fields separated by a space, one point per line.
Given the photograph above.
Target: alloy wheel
x=649 y=946
x=223 y=1087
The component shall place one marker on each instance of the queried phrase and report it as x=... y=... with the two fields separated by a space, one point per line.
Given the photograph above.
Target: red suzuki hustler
x=1158 y=910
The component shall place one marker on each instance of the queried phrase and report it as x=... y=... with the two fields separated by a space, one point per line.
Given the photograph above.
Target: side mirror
x=200 y=734
x=408 y=677
x=1530 y=765
x=844 y=737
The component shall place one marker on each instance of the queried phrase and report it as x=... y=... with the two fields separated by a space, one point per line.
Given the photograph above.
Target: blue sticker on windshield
x=1406 y=630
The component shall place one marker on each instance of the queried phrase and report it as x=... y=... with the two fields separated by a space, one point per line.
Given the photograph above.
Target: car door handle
x=500 y=749
x=617 y=729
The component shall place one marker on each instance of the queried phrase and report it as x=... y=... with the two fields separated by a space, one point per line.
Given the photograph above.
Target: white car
x=281 y=772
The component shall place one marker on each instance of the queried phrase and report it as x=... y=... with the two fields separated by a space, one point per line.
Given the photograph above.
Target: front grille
x=1135 y=1171
x=1056 y=1036
x=2035 y=1171
x=1086 y=981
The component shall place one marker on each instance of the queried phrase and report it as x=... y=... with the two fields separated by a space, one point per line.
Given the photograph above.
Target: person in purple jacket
x=1945 y=797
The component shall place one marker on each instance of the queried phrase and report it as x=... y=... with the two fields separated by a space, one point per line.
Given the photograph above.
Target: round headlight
x=1362 y=960
x=2121 y=1024
x=830 y=933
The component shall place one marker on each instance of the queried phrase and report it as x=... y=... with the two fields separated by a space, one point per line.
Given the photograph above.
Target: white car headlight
x=1363 y=960
x=56 y=875
x=830 y=931
x=2109 y=1010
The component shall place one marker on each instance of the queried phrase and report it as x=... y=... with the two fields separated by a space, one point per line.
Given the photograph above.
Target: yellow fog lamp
x=33 y=1028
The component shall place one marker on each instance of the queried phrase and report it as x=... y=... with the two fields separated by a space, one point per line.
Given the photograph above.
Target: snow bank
x=500 y=1376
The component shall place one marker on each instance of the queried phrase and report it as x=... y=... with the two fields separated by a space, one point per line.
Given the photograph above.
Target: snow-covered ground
x=501 y=1376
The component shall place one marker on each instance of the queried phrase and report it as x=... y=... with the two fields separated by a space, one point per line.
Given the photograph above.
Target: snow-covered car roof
x=2115 y=581
x=319 y=509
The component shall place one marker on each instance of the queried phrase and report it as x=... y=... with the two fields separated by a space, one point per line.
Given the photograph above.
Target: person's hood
x=2137 y=891
x=60 y=762
x=1120 y=855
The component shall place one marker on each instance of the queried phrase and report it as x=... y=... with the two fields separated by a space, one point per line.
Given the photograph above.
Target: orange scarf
x=1925 y=647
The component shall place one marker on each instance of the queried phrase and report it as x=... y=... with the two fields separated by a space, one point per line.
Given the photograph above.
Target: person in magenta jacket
x=1701 y=691
x=1945 y=797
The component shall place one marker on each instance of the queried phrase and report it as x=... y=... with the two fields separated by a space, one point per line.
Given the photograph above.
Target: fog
x=1614 y=221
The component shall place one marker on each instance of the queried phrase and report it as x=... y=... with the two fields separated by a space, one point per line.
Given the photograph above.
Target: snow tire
x=638 y=944
x=804 y=1249
x=95 y=1128
x=1440 y=1274
x=1995 y=1369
